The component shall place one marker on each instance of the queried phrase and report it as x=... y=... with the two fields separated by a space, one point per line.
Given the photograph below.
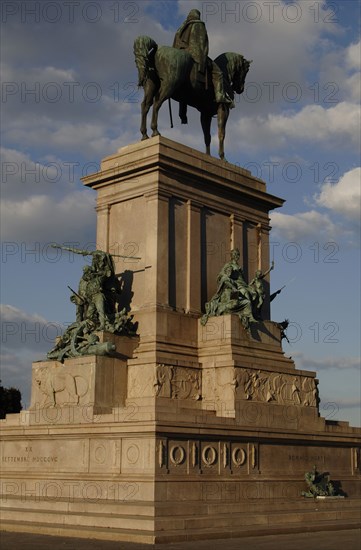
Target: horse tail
x=144 y=51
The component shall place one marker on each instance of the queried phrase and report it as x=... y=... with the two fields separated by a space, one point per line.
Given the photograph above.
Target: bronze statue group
x=234 y=295
x=97 y=309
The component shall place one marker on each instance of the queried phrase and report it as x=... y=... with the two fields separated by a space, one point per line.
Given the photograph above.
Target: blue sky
x=69 y=98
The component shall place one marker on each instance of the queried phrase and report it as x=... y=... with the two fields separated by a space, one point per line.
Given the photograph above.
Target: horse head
x=239 y=76
x=234 y=68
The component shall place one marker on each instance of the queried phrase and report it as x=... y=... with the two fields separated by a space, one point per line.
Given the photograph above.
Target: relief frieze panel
x=56 y=387
x=274 y=387
x=177 y=382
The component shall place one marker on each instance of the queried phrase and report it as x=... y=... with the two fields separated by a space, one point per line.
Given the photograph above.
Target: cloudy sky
x=70 y=97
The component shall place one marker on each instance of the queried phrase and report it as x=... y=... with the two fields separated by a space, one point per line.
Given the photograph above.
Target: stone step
x=266 y=519
x=90 y=519
x=113 y=507
x=256 y=506
x=256 y=530
x=164 y=510
x=141 y=535
x=78 y=531
x=116 y=515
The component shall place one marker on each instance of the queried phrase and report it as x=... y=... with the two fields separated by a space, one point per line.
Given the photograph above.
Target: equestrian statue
x=186 y=74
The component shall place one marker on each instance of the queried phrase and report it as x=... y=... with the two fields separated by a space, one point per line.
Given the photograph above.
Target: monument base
x=188 y=432
x=163 y=482
x=98 y=456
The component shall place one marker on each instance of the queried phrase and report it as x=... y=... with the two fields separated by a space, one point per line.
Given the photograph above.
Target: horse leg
x=149 y=92
x=158 y=102
x=143 y=126
x=154 y=125
x=206 y=120
x=222 y=117
x=183 y=112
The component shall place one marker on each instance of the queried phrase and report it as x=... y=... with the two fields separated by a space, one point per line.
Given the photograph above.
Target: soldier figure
x=80 y=299
x=192 y=36
x=233 y=294
x=95 y=296
x=258 y=289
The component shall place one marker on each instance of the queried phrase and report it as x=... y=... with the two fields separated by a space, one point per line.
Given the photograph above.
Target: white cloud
x=346 y=403
x=343 y=197
x=297 y=227
x=25 y=334
x=91 y=133
x=42 y=218
x=40 y=202
x=339 y=74
x=87 y=127
x=353 y=85
x=337 y=126
x=233 y=26
x=21 y=176
x=84 y=125
x=326 y=363
x=11 y=313
x=353 y=56
x=41 y=75
x=317 y=124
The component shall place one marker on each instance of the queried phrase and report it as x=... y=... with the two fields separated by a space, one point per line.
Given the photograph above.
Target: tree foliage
x=10 y=401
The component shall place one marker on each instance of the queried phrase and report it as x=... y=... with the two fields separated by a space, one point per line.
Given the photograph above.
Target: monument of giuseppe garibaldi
x=168 y=410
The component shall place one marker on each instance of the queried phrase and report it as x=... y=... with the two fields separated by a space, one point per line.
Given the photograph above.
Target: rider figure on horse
x=192 y=36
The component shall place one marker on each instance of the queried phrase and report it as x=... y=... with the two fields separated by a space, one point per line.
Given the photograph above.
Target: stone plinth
x=90 y=384
x=100 y=382
x=189 y=431
x=182 y=212
x=246 y=375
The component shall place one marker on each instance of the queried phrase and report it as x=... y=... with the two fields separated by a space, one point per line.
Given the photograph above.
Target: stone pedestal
x=189 y=431
x=182 y=212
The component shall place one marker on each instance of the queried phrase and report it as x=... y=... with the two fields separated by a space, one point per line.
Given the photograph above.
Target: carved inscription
x=29 y=459
x=41 y=455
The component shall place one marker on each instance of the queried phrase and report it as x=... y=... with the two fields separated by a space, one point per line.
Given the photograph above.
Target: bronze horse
x=166 y=72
